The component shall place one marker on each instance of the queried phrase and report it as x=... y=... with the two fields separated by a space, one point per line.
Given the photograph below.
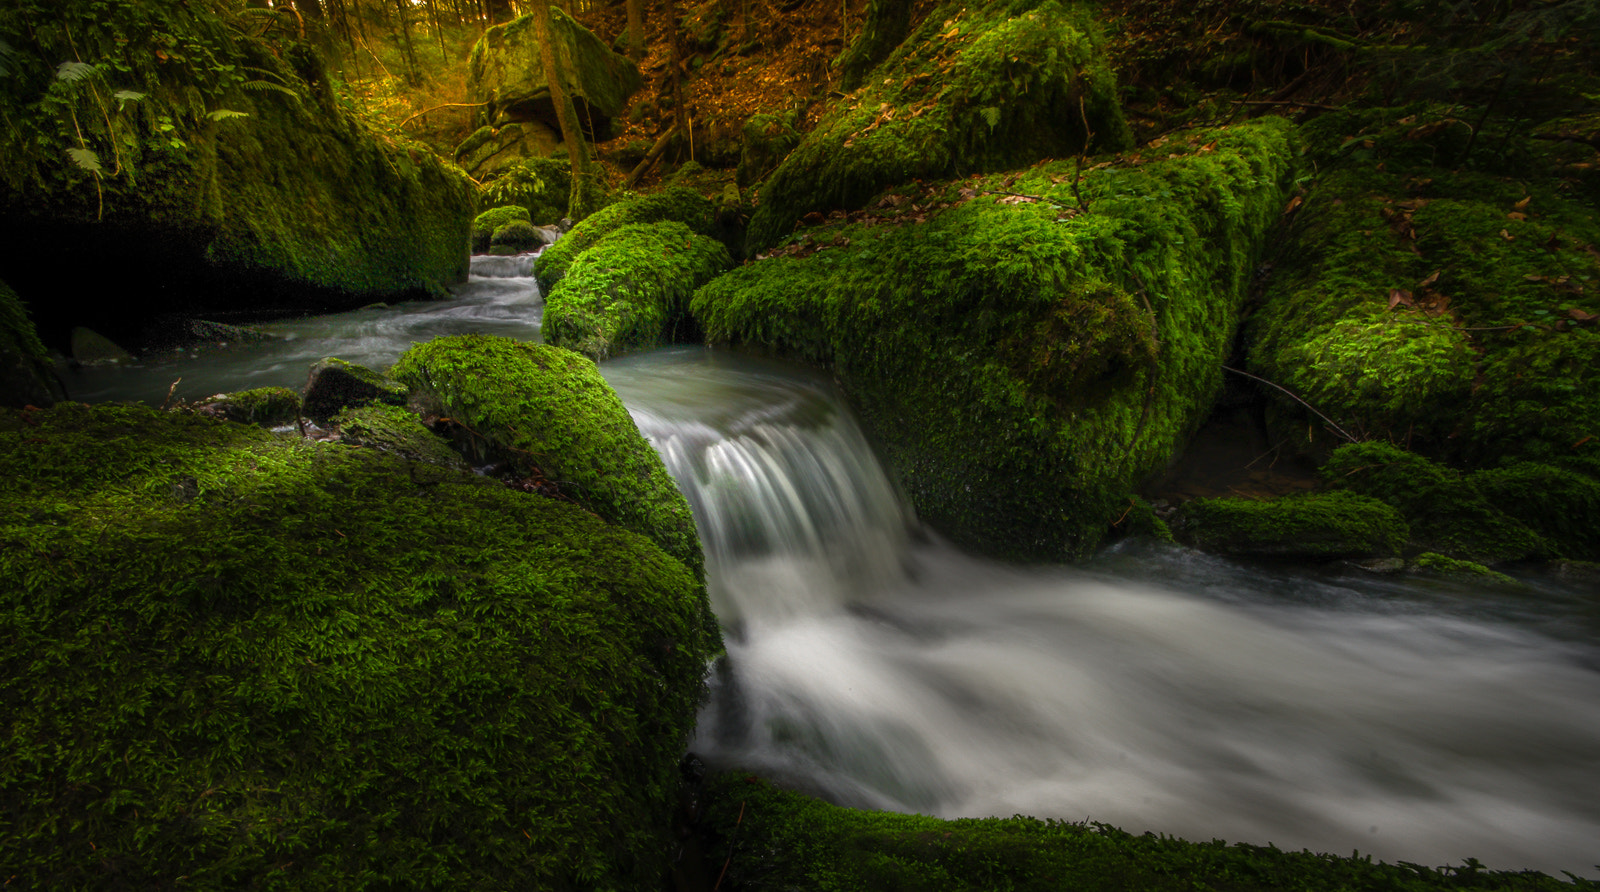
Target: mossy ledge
x=757 y=837
x=232 y=659
x=1303 y=527
x=548 y=411
x=1027 y=347
x=978 y=87
x=179 y=149
x=630 y=290
x=679 y=203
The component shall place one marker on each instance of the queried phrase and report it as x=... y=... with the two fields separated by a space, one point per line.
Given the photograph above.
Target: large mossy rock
x=1310 y=526
x=548 y=411
x=759 y=837
x=975 y=88
x=231 y=659
x=490 y=151
x=1027 y=347
x=506 y=73
x=26 y=378
x=203 y=169
x=630 y=290
x=1447 y=302
x=678 y=203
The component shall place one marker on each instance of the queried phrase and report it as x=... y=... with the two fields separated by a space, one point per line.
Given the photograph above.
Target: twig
x=170 y=391
x=1297 y=399
x=731 y=841
x=1316 y=105
x=437 y=107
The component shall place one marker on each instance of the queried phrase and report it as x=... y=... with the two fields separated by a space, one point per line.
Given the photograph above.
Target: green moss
x=266 y=406
x=768 y=139
x=678 y=204
x=631 y=290
x=397 y=431
x=548 y=410
x=518 y=235
x=485 y=224
x=770 y=839
x=1442 y=305
x=233 y=659
x=335 y=384
x=542 y=185
x=1310 y=526
x=1447 y=511
x=975 y=88
x=1023 y=363
x=1437 y=565
x=218 y=151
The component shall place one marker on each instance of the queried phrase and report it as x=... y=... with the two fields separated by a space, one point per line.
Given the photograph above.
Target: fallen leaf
x=1523 y=204
x=1582 y=316
x=1294 y=203
x=1398 y=297
x=1507 y=236
x=1430 y=279
x=1516 y=215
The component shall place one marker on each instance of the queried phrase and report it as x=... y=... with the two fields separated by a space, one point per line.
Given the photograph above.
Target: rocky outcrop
x=679 y=203
x=229 y=655
x=976 y=88
x=506 y=73
x=239 y=182
x=1030 y=346
x=335 y=384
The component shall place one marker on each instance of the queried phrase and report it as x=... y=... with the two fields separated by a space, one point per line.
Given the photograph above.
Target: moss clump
x=518 y=236
x=1446 y=509
x=1307 y=527
x=1431 y=564
x=266 y=406
x=1026 y=363
x=548 y=411
x=1447 y=305
x=397 y=431
x=679 y=204
x=542 y=185
x=631 y=290
x=768 y=139
x=230 y=659
x=25 y=375
x=485 y=224
x=980 y=87
x=770 y=839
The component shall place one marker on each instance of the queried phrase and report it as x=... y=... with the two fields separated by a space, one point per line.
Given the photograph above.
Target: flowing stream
x=1153 y=688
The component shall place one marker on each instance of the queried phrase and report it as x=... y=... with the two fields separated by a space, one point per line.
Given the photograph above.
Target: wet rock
x=90 y=347
x=264 y=406
x=335 y=384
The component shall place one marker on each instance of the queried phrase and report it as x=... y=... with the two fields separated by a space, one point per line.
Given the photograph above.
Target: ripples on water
x=1154 y=688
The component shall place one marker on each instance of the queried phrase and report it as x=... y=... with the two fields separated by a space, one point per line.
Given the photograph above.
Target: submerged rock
x=228 y=655
x=1027 y=347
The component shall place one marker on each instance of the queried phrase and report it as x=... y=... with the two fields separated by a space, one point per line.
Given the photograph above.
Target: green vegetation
x=516 y=237
x=221 y=152
x=975 y=88
x=25 y=374
x=1431 y=564
x=231 y=659
x=630 y=290
x=335 y=384
x=771 y=839
x=487 y=223
x=1306 y=527
x=679 y=203
x=397 y=431
x=1449 y=307
x=541 y=185
x=266 y=406
x=548 y=412
x=1029 y=346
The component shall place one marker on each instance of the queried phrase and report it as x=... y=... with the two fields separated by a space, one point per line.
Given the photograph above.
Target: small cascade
x=511 y=266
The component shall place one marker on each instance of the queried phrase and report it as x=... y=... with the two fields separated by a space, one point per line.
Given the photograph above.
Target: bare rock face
x=507 y=75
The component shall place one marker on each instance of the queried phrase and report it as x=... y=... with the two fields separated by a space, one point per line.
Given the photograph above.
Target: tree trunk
x=413 y=71
x=500 y=11
x=680 y=114
x=885 y=26
x=636 y=29
x=581 y=199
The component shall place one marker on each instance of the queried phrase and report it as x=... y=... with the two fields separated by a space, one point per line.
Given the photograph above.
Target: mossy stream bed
x=1154 y=688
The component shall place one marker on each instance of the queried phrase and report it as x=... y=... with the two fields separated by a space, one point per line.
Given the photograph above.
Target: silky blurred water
x=1154 y=688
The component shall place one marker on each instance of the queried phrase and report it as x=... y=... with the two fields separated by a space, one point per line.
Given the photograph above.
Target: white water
x=1155 y=689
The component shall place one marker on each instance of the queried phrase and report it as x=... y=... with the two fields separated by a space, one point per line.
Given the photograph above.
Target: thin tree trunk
x=413 y=71
x=680 y=114
x=581 y=197
x=636 y=29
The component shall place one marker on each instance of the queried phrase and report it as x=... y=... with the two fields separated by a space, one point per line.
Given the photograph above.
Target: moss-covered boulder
x=396 y=430
x=548 y=411
x=490 y=151
x=1437 y=300
x=978 y=87
x=678 y=203
x=768 y=139
x=334 y=384
x=506 y=73
x=485 y=224
x=232 y=659
x=1027 y=347
x=516 y=237
x=541 y=185
x=630 y=290
x=1301 y=527
x=758 y=837
x=1488 y=516
x=26 y=378
x=175 y=147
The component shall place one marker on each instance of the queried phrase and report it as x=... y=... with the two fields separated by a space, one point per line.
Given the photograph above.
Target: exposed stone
x=506 y=74
x=335 y=384
x=490 y=150
x=90 y=347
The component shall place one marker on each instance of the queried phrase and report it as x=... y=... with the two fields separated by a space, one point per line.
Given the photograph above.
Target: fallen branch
x=1297 y=399
x=437 y=107
x=650 y=158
